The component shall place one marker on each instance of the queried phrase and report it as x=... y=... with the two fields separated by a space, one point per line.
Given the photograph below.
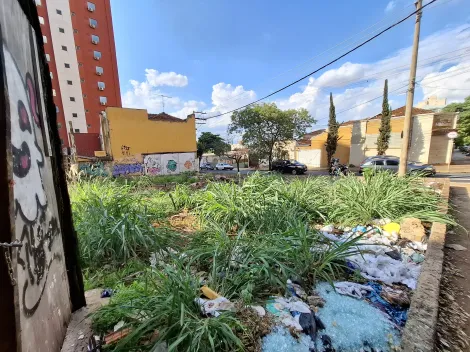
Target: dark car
x=206 y=166
x=289 y=166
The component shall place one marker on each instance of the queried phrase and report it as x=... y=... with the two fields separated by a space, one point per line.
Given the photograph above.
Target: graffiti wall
x=93 y=169
x=41 y=287
x=169 y=163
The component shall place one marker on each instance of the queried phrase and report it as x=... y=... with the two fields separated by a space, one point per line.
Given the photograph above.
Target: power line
x=443 y=88
x=329 y=63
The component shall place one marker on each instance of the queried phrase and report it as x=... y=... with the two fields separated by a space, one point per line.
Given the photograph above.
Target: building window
x=67 y=65
x=53 y=92
x=61 y=30
x=95 y=39
x=64 y=48
x=90 y=6
x=58 y=12
x=77 y=130
x=48 y=58
x=72 y=99
x=97 y=55
x=69 y=83
x=41 y=20
x=101 y=85
x=103 y=100
x=93 y=23
x=44 y=39
x=74 y=114
x=99 y=70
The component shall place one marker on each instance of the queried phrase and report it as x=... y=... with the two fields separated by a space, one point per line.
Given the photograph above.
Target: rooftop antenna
x=200 y=112
x=163 y=101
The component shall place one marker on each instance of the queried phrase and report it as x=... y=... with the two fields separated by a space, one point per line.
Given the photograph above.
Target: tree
x=209 y=142
x=384 y=130
x=463 y=124
x=333 y=137
x=265 y=126
x=237 y=155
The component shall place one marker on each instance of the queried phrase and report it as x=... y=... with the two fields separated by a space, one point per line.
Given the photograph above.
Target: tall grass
x=114 y=223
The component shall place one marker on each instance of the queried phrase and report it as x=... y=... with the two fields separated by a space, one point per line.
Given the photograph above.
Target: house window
x=72 y=99
x=93 y=23
x=54 y=93
x=97 y=55
x=48 y=58
x=67 y=65
x=90 y=6
x=74 y=114
x=95 y=39
x=77 y=130
x=61 y=30
x=44 y=39
x=101 y=85
x=64 y=48
x=41 y=20
x=99 y=70
x=69 y=83
x=58 y=12
x=103 y=100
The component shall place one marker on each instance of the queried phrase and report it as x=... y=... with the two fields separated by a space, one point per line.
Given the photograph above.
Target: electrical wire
x=327 y=64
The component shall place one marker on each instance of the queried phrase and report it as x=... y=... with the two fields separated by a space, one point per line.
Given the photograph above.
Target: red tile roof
x=163 y=116
x=308 y=136
x=401 y=112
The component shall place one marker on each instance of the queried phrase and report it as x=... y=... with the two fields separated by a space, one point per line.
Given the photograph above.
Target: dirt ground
x=458 y=282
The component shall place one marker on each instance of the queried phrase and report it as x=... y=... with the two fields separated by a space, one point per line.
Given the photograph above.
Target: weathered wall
x=132 y=133
x=343 y=149
x=42 y=299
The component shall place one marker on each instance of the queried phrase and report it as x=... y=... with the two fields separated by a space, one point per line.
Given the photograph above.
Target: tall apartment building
x=79 y=45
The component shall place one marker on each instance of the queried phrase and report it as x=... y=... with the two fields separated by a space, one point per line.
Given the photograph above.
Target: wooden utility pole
x=410 y=96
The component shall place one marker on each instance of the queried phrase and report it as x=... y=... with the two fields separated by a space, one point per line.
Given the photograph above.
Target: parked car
x=206 y=166
x=391 y=164
x=223 y=166
x=289 y=166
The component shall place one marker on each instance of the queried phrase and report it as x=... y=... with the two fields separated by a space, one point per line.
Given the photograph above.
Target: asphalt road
x=460 y=178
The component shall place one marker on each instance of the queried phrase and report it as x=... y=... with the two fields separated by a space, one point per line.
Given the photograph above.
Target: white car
x=223 y=166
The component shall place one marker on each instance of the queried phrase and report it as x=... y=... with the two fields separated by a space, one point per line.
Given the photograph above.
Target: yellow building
x=151 y=144
x=358 y=139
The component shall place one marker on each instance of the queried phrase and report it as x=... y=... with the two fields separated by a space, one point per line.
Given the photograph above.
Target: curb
x=420 y=329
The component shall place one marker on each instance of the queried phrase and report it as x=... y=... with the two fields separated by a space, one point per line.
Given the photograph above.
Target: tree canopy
x=384 y=131
x=209 y=142
x=463 y=124
x=265 y=126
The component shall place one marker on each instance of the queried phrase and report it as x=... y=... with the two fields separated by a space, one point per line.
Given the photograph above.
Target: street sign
x=452 y=135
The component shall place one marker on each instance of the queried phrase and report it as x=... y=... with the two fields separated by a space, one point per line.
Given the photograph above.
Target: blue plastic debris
x=353 y=324
x=396 y=313
x=107 y=292
x=280 y=340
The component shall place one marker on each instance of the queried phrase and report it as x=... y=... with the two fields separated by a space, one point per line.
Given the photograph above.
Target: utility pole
x=410 y=96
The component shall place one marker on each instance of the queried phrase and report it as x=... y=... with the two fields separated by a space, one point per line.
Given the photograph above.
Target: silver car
x=391 y=164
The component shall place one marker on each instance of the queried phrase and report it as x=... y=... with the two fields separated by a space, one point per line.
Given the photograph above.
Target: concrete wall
x=420 y=142
x=42 y=299
x=132 y=134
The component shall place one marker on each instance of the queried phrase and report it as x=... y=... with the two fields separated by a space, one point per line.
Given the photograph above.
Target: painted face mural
x=27 y=156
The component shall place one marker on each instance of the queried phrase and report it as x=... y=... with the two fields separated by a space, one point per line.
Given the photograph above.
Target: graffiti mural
x=187 y=162
x=42 y=286
x=153 y=164
x=169 y=163
x=93 y=169
x=128 y=169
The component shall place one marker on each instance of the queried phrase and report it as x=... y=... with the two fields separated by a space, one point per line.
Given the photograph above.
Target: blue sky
x=216 y=55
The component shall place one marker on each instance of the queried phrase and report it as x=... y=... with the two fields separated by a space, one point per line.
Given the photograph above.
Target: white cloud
x=171 y=79
x=390 y=6
x=337 y=77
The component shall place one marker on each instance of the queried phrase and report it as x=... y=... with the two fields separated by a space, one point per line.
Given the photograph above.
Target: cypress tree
x=333 y=127
x=384 y=130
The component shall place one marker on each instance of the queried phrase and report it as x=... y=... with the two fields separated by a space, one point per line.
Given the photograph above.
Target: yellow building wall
x=133 y=134
x=343 y=149
x=396 y=125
